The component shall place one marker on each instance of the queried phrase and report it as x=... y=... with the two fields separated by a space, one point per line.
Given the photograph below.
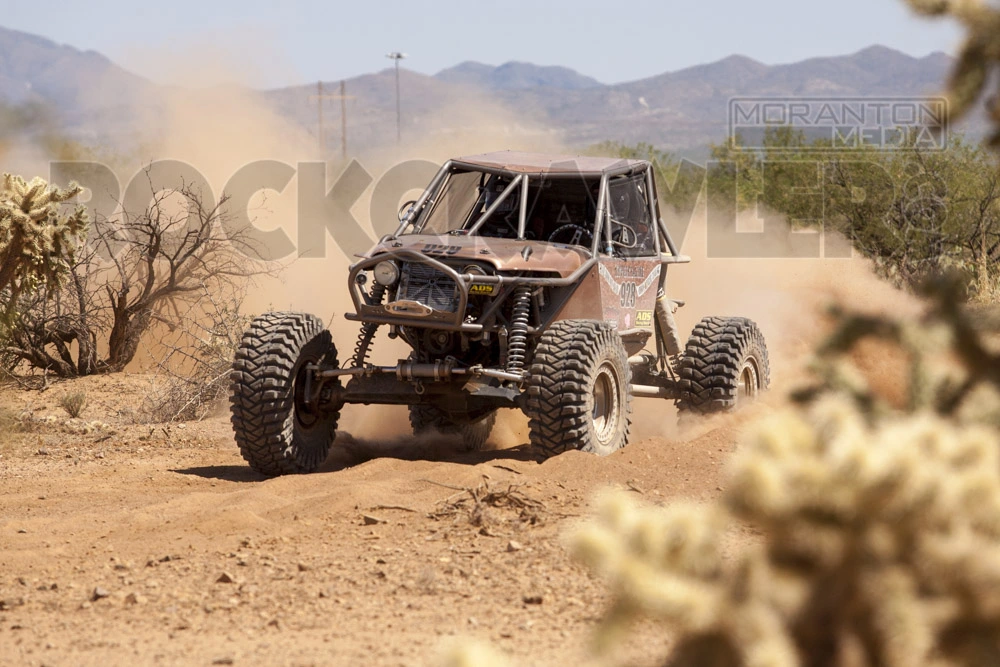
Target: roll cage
x=519 y=182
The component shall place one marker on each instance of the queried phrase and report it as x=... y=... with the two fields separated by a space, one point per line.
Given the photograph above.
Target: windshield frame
x=416 y=216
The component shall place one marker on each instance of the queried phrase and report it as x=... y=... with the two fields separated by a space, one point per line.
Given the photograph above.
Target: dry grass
x=10 y=426
x=73 y=403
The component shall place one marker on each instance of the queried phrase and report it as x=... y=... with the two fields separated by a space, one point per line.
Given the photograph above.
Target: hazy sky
x=279 y=43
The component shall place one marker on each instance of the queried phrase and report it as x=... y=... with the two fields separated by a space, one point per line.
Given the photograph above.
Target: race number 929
x=628 y=295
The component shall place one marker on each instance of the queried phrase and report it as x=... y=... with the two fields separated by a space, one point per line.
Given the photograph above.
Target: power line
x=343 y=97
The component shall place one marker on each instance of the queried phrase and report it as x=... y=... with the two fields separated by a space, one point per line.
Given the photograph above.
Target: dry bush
x=194 y=359
x=73 y=403
x=478 y=505
x=880 y=527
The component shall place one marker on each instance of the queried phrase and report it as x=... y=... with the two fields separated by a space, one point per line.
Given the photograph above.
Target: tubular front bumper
x=366 y=310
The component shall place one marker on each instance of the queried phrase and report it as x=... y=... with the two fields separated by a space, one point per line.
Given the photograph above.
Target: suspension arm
x=440 y=371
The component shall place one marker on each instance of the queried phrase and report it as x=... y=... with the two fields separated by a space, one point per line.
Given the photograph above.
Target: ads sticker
x=643 y=318
x=481 y=289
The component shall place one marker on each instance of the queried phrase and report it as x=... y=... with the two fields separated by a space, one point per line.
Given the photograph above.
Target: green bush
x=917 y=213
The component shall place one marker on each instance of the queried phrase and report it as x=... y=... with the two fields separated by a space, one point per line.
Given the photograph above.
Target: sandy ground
x=126 y=544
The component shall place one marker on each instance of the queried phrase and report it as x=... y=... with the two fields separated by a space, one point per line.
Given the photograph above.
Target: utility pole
x=343 y=97
x=343 y=120
x=319 y=110
x=396 y=56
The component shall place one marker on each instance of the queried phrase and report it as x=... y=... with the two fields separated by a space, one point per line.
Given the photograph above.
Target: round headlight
x=474 y=270
x=386 y=273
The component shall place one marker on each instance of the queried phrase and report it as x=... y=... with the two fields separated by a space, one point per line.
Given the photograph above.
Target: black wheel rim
x=306 y=416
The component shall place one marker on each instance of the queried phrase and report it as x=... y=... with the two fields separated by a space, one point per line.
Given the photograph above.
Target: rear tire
x=724 y=365
x=579 y=393
x=276 y=432
x=426 y=418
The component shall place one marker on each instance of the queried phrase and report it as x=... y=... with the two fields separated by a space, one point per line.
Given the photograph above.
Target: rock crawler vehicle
x=517 y=280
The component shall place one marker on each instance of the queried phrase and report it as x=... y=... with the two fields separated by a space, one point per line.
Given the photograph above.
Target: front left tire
x=579 y=389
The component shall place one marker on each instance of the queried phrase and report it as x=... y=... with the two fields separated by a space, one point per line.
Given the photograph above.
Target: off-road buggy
x=520 y=281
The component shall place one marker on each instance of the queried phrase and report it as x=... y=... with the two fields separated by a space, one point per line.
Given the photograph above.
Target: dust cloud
x=787 y=297
x=220 y=128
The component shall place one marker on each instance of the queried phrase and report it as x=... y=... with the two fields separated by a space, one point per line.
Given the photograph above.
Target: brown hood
x=503 y=254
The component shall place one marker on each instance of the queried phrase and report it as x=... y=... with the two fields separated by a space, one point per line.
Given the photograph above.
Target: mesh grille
x=424 y=283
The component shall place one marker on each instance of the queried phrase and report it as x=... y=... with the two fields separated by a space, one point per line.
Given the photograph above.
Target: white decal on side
x=616 y=287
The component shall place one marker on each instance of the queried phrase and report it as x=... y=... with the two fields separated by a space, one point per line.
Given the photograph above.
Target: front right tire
x=277 y=430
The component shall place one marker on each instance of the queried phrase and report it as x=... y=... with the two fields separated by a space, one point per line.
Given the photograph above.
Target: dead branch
x=474 y=502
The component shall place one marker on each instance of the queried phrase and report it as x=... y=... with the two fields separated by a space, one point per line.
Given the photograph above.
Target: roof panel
x=545 y=163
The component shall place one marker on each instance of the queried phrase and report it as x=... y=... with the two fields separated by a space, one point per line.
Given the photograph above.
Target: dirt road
x=124 y=544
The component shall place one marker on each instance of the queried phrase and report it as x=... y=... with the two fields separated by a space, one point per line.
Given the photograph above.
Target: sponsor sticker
x=480 y=289
x=644 y=318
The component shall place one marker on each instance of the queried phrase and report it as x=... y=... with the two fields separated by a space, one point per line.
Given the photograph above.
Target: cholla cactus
x=881 y=547
x=37 y=243
x=880 y=528
x=975 y=71
x=471 y=653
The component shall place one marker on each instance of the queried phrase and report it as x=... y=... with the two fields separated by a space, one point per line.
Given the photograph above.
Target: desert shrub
x=917 y=213
x=193 y=361
x=73 y=403
x=880 y=527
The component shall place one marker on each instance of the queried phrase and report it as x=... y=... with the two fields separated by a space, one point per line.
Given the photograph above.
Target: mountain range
x=92 y=99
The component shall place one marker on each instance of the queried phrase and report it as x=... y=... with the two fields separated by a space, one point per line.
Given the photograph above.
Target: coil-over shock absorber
x=517 y=338
x=368 y=329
